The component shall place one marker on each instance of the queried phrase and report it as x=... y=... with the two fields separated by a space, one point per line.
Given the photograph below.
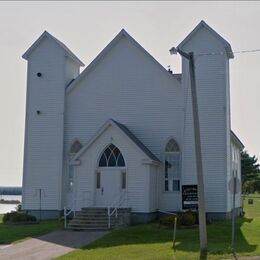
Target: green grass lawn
x=150 y=242
x=15 y=233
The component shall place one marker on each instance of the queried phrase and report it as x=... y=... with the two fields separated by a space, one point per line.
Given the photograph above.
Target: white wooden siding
x=128 y=87
x=213 y=101
x=43 y=156
x=153 y=188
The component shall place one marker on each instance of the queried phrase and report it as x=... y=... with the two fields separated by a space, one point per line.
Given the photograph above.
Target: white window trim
x=170 y=180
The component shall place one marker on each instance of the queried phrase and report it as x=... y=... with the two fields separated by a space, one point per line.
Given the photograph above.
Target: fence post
x=174 y=231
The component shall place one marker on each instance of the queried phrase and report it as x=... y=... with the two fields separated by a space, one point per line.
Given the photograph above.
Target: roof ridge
x=61 y=44
x=108 y=47
x=210 y=29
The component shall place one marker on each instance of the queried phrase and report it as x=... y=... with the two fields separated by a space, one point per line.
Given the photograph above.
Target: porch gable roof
x=127 y=132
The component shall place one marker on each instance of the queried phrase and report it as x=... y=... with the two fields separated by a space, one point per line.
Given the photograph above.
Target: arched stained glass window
x=111 y=157
x=172 y=166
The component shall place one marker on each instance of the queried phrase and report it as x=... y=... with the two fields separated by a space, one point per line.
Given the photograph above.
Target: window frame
x=168 y=179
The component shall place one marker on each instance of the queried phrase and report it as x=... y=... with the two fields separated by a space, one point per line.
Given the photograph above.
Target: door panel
x=110 y=180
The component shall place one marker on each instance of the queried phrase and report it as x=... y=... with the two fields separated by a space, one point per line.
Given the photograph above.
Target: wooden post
x=201 y=198
x=199 y=166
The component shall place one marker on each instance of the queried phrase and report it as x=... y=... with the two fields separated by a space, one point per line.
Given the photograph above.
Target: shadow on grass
x=219 y=239
x=187 y=240
x=13 y=233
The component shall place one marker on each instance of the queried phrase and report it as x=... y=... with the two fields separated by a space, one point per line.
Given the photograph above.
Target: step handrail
x=67 y=211
x=115 y=205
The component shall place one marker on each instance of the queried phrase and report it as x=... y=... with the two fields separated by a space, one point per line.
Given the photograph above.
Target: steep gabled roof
x=121 y=34
x=136 y=141
x=59 y=43
x=127 y=132
x=202 y=24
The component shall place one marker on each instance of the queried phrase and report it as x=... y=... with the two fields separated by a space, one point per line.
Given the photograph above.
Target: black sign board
x=189 y=197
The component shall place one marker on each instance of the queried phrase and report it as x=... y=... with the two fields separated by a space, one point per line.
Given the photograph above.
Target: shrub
x=167 y=221
x=18 y=207
x=17 y=217
x=188 y=218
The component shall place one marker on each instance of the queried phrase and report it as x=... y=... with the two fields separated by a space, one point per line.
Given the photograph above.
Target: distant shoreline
x=3 y=201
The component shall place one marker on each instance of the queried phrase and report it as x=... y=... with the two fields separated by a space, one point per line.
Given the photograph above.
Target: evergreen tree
x=250 y=171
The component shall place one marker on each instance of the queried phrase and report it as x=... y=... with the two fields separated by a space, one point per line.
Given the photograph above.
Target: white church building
x=120 y=133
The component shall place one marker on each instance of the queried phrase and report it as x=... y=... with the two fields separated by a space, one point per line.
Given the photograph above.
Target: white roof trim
x=122 y=33
x=226 y=44
x=236 y=140
x=108 y=123
x=62 y=45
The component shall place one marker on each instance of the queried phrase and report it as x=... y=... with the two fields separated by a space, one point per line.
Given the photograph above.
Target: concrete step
x=104 y=210
x=88 y=228
x=76 y=221
x=97 y=219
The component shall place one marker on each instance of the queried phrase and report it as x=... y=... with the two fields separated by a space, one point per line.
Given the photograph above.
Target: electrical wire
x=225 y=52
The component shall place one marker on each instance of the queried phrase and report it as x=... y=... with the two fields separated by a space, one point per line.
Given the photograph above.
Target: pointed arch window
x=172 y=166
x=111 y=157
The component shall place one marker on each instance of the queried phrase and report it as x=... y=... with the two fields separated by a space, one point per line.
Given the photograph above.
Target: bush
x=17 y=217
x=188 y=218
x=167 y=221
x=18 y=207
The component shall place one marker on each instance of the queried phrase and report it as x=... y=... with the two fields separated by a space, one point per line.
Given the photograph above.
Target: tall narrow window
x=111 y=157
x=123 y=174
x=172 y=166
x=98 y=180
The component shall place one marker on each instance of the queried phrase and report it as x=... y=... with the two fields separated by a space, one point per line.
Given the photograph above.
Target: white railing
x=115 y=205
x=67 y=211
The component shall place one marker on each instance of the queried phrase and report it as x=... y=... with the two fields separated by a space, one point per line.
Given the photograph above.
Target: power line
x=225 y=52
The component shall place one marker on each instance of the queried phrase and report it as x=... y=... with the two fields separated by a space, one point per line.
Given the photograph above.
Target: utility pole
x=196 y=124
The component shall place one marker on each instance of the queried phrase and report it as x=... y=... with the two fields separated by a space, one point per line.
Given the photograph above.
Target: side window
x=172 y=166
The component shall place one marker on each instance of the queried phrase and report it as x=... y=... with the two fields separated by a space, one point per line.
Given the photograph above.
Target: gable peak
x=56 y=41
x=203 y=24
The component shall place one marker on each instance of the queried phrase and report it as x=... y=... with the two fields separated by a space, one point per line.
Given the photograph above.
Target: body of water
x=4 y=208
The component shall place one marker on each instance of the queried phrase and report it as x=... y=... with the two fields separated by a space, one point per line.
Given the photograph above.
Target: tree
x=250 y=171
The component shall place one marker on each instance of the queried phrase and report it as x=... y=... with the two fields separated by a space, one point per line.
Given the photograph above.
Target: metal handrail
x=175 y=225
x=67 y=210
x=116 y=204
